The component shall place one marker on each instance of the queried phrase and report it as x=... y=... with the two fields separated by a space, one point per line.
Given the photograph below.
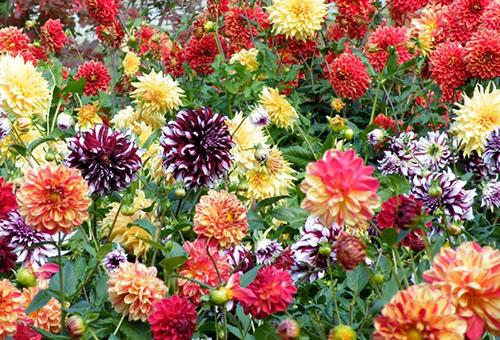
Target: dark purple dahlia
x=197 y=147
x=239 y=258
x=7 y=256
x=113 y=259
x=491 y=154
x=108 y=160
x=474 y=164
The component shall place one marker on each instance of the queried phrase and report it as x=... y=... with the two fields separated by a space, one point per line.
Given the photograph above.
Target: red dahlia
x=103 y=11
x=112 y=34
x=274 y=290
x=482 y=54
x=96 y=77
x=491 y=17
x=216 y=9
x=13 y=40
x=469 y=12
x=348 y=76
x=7 y=198
x=173 y=318
x=383 y=38
x=239 y=24
x=7 y=257
x=53 y=36
x=408 y=6
x=448 y=66
x=200 y=53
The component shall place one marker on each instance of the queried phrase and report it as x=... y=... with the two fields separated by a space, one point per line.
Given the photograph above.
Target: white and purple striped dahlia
x=113 y=259
x=491 y=195
x=107 y=159
x=5 y=125
x=491 y=154
x=433 y=151
x=197 y=147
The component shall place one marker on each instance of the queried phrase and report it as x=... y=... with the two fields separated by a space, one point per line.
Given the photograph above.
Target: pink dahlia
x=7 y=197
x=348 y=76
x=96 y=76
x=53 y=36
x=173 y=318
x=339 y=188
x=482 y=54
x=384 y=38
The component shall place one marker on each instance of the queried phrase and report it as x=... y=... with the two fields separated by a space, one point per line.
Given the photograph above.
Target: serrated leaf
x=357 y=279
x=70 y=280
x=75 y=86
x=255 y=222
x=298 y=155
x=296 y=217
x=146 y=225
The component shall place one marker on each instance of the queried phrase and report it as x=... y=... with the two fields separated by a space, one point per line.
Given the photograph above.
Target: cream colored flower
x=131 y=63
x=247 y=58
x=280 y=111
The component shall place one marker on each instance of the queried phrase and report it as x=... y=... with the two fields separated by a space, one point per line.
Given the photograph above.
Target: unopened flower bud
x=209 y=26
x=65 y=121
x=351 y=251
x=137 y=130
x=26 y=278
x=132 y=39
x=50 y=156
x=337 y=123
x=455 y=228
x=288 y=330
x=75 y=326
x=23 y=124
x=375 y=137
x=128 y=210
x=342 y=332
x=435 y=191
x=348 y=133
x=379 y=278
x=337 y=104
x=30 y=24
x=219 y=296
x=37 y=44
x=180 y=192
x=325 y=250
x=261 y=155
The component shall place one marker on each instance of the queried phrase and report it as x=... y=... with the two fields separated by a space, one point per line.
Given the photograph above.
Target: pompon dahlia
x=448 y=68
x=491 y=17
x=197 y=147
x=23 y=91
x=112 y=34
x=454 y=199
x=103 y=11
x=309 y=263
x=408 y=6
x=200 y=267
x=274 y=292
x=200 y=53
x=419 y=312
x=108 y=160
x=7 y=197
x=476 y=118
x=13 y=41
x=470 y=276
x=155 y=94
x=491 y=196
x=53 y=198
x=383 y=38
x=10 y=309
x=281 y=112
x=133 y=289
x=96 y=76
x=173 y=318
x=482 y=54
x=340 y=189
x=491 y=154
x=469 y=12
x=220 y=219
x=298 y=19
x=350 y=251
x=53 y=36
x=348 y=76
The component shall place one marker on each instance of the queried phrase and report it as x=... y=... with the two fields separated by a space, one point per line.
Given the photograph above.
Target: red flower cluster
x=7 y=198
x=53 y=36
x=111 y=34
x=353 y=19
x=96 y=76
x=377 y=48
x=200 y=53
x=173 y=318
x=239 y=24
x=15 y=42
x=348 y=75
x=103 y=11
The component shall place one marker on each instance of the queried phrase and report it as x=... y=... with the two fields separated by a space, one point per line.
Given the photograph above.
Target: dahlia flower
x=5 y=126
x=7 y=197
x=88 y=116
x=289 y=329
x=259 y=117
x=111 y=34
x=156 y=93
x=266 y=251
x=383 y=38
x=239 y=25
x=448 y=68
x=274 y=292
x=53 y=36
x=482 y=54
x=65 y=121
x=200 y=267
x=25 y=332
x=24 y=238
x=491 y=17
x=197 y=147
x=23 y=91
x=475 y=165
x=281 y=112
x=247 y=58
x=200 y=53
x=131 y=63
x=476 y=118
x=96 y=76
x=433 y=151
x=491 y=195
x=10 y=309
x=340 y=189
x=53 y=198
x=348 y=76
x=173 y=318
x=469 y=275
x=469 y=12
x=298 y=19
x=350 y=251
x=13 y=40
x=491 y=154
x=102 y=11
x=455 y=201
x=133 y=289
x=239 y=258
x=113 y=259
x=128 y=117
x=309 y=263
x=220 y=219
x=108 y=160
x=419 y=312
x=7 y=256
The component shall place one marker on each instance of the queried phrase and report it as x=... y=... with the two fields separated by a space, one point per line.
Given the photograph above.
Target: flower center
x=105 y=158
x=489 y=118
x=229 y=217
x=435 y=150
x=56 y=195
x=414 y=334
x=301 y=10
x=151 y=96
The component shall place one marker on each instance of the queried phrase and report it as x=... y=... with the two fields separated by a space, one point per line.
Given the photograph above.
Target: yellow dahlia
x=247 y=58
x=280 y=111
x=53 y=198
x=418 y=313
x=10 y=308
x=23 y=91
x=49 y=316
x=143 y=131
x=272 y=178
x=153 y=160
x=470 y=276
x=297 y=18
x=476 y=118
x=133 y=289
x=155 y=94
x=131 y=63
x=88 y=117
x=220 y=219
x=246 y=137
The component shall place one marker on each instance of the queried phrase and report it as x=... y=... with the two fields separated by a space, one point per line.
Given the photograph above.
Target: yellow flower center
x=301 y=10
x=151 y=96
x=56 y=195
x=414 y=334
x=88 y=112
x=229 y=217
x=489 y=118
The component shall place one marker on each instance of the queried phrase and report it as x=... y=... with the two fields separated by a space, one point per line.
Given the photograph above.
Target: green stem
x=302 y=133
x=215 y=265
x=61 y=281
x=119 y=324
x=372 y=280
x=379 y=83
x=224 y=313
x=216 y=323
x=93 y=334
x=400 y=265
x=426 y=244
x=199 y=283
x=394 y=273
x=334 y=293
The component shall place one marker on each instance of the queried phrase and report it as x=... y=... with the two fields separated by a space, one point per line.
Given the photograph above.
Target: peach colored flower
x=53 y=198
x=10 y=309
x=134 y=289
x=340 y=189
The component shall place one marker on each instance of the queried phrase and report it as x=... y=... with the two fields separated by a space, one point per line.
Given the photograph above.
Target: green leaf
x=146 y=225
x=249 y=276
x=172 y=263
x=357 y=279
x=266 y=331
x=104 y=250
x=389 y=236
x=39 y=141
x=48 y=335
x=70 y=280
x=75 y=86
x=298 y=155
x=40 y=300
x=101 y=290
x=296 y=217
x=269 y=201
x=136 y=330
x=151 y=139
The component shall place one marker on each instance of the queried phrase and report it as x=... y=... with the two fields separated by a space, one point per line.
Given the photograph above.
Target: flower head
x=7 y=197
x=88 y=116
x=102 y=11
x=379 y=44
x=491 y=155
x=247 y=58
x=96 y=76
x=419 y=312
x=197 y=147
x=340 y=189
x=133 y=289
x=482 y=54
x=53 y=198
x=433 y=151
x=200 y=53
x=351 y=251
x=173 y=318
x=259 y=117
x=239 y=258
x=108 y=160
x=111 y=34
x=113 y=259
x=288 y=329
x=13 y=40
x=7 y=256
x=53 y=36
x=491 y=196
x=267 y=250
x=297 y=18
x=281 y=112
x=348 y=76
x=23 y=91
x=10 y=309
x=448 y=68
x=5 y=126
x=131 y=63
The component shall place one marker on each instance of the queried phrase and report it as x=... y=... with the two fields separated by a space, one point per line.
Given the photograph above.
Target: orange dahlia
x=10 y=309
x=470 y=275
x=482 y=54
x=134 y=289
x=53 y=198
x=220 y=219
x=340 y=189
x=419 y=312
x=200 y=267
x=49 y=316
